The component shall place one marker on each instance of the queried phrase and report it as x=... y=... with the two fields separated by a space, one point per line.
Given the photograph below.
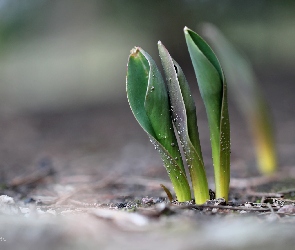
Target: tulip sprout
x=162 y=108
x=243 y=83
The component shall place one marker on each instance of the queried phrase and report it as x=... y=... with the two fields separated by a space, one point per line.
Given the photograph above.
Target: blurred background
x=63 y=68
x=62 y=54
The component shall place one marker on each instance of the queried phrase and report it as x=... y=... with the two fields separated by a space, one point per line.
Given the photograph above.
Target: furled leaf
x=148 y=100
x=213 y=90
x=185 y=121
x=243 y=84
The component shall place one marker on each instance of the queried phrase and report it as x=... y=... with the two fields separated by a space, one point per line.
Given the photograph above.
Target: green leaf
x=213 y=90
x=185 y=121
x=148 y=100
x=244 y=86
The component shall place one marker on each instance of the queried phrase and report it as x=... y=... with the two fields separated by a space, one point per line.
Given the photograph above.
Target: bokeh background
x=63 y=69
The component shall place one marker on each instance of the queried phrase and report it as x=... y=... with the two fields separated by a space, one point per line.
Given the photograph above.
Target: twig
x=287 y=191
x=144 y=181
x=255 y=181
x=111 y=179
x=168 y=193
x=262 y=194
x=226 y=207
x=32 y=178
x=287 y=172
x=100 y=184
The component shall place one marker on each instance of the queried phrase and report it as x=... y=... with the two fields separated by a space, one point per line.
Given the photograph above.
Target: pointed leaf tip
x=134 y=51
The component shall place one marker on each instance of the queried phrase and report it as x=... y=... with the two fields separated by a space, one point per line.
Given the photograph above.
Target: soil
x=89 y=179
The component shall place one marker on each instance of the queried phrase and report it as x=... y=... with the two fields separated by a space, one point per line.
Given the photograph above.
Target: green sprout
x=162 y=108
x=243 y=83
x=213 y=90
x=183 y=111
x=148 y=99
